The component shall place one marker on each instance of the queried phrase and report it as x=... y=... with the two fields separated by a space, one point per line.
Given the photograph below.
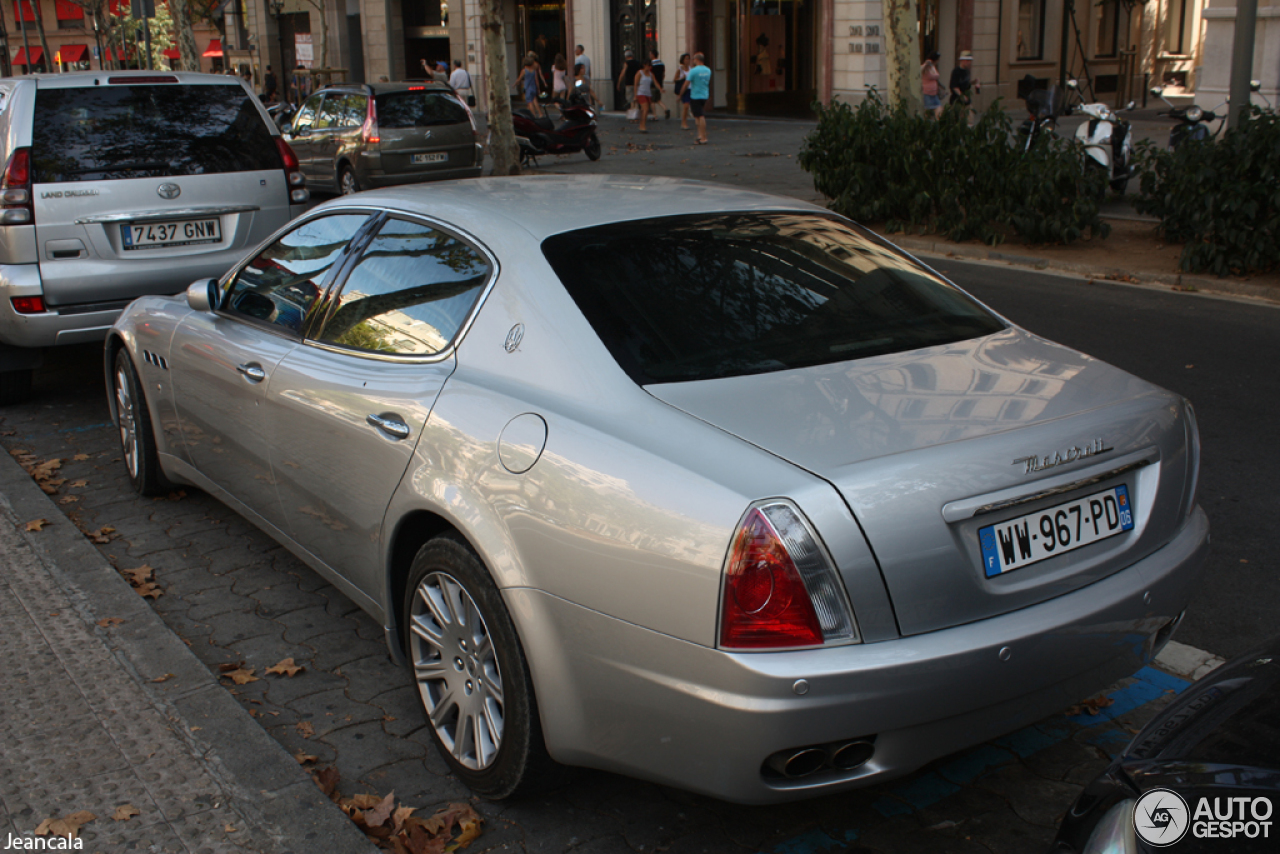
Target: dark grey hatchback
x=354 y=136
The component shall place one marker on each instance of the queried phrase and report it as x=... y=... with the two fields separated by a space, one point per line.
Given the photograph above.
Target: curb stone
x=256 y=776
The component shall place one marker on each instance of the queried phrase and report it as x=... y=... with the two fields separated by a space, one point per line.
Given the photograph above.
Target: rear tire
x=133 y=420
x=15 y=386
x=592 y=147
x=471 y=673
x=347 y=183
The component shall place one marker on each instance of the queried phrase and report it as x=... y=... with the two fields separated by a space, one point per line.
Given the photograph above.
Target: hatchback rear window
x=140 y=131
x=700 y=297
x=417 y=109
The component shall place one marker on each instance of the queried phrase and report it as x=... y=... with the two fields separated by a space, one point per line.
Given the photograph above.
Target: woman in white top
x=646 y=86
x=559 y=87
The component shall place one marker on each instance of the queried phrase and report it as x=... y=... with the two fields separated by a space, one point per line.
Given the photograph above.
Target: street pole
x=1242 y=59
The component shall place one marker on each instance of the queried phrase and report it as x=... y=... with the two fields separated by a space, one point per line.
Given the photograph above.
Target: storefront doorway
x=774 y=57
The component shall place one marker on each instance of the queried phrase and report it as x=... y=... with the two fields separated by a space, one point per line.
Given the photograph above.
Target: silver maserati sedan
x=682 y=481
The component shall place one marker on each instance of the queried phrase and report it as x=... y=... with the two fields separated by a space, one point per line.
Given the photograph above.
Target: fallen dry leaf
x=327 y=779
x=229 y=828
x=103 y=535
x=378 y=816
x=139 y=574
x=9 y=433
x=126 y=812
x=1091 y=705
x=285 y=667
x=108 y=622
x=304 y=758
x=37 y=524
x=69 y=826
x=398 y=817
x=164 y=678
x=149 y=591
x=227 y=667
x=69 y=499
x=241 y=676
x=80 y=483
x=81 y=458
x=305 y=729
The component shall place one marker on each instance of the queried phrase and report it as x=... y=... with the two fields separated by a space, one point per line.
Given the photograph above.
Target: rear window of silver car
x=139 y=131
x=699 y=297
x=417 y=108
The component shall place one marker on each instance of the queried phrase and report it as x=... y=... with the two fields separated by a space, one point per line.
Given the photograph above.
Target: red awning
x=172 y=53
x=72 y=52
x=214 y=49
x=21 y=57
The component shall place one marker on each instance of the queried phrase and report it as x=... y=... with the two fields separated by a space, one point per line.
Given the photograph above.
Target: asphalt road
x=1223 y=356
x=235 y=596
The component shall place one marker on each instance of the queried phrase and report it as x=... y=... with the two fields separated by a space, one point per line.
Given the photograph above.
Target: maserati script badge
x=169 y=191
x=1057 y=458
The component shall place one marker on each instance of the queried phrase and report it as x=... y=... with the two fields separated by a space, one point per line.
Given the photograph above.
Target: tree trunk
x=188 y=54
x=322 y=61
x=44 y=42
x=502 y=145
x=902 y=44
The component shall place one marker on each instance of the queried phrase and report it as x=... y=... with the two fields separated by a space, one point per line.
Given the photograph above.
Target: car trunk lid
x=929 y=447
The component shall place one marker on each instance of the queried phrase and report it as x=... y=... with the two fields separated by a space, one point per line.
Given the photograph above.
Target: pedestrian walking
x=627 y=77
x=962 y=80
x=559 y=85
x=269 y=85
x=681 y=89
x=647 y=89
x=460 y=81
x=580 y=58
x=699 y=93
x=527 y=81
x=930 y=79
x=660 y=75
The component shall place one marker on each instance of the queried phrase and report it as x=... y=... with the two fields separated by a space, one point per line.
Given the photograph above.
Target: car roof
x=72 y=79
x=543 y=205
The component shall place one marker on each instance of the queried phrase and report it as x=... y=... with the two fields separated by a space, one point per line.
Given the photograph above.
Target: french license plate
x=1044 y=534
x=158 y=235
x=431 y=158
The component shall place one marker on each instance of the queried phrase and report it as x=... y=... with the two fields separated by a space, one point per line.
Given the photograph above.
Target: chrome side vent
x=156 y=360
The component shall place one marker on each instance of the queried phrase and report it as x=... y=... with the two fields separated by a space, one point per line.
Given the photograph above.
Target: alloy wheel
x=456 y=667
x=127 y=420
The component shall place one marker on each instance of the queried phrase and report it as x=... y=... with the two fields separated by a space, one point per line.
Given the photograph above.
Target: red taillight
x=151 y=78
x=417 y=88
x=28 y=305
x=15 y=190
x=294 y=178
x=766 y=604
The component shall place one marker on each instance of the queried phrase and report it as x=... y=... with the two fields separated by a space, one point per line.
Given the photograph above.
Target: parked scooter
x=539 y=135
x=1107 y=139
x=1193 y=121
x=1044 y=108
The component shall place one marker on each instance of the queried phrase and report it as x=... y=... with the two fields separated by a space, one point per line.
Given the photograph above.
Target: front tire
x=133 y=419
x=347 y=182
x=471 y=674
x=592 y=147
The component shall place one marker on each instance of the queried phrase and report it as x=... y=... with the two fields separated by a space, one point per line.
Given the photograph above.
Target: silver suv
x=118 y=184
x=353 y=136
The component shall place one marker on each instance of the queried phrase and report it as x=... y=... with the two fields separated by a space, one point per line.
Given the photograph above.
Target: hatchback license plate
x=430 y=158
x=1038 y=536
x=158 y=235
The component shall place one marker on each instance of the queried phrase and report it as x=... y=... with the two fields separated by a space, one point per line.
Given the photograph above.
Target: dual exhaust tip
x=799 y=762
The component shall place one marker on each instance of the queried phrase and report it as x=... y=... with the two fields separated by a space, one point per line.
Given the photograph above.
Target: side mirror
x=202 y=294
x=1132 y=105
x=1073 y=84
x=1158 y=91
x=1255 y=85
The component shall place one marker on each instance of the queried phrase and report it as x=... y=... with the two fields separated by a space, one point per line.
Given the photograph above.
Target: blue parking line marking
x=928 y=789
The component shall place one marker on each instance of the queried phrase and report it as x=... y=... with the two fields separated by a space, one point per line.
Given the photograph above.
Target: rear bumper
x=370 y=173
x=48 y=328
x=619 y=697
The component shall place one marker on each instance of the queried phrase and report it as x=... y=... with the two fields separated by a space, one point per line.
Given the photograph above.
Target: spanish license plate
x=431 y=158
x=158 y=235
x=1047 y=533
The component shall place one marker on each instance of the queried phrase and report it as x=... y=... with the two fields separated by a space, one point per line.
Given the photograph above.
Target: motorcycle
x=1193 y=120
x=539 y=135
x=1107 y=139
x=1044 y=108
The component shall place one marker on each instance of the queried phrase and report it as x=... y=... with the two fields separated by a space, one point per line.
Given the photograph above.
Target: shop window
x=1178 y=34
x=1107 y=27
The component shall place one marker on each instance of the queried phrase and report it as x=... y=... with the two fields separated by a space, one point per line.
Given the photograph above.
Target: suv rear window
x=719 y=295
x=142 y=131
x=416 y=109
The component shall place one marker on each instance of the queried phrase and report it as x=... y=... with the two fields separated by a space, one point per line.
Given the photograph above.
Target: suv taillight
x=292 y=174
x=780 y=588
x=369 y=131
x=15 y=190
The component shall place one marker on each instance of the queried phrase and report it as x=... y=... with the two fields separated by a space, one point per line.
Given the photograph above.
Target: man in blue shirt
x=699 y=91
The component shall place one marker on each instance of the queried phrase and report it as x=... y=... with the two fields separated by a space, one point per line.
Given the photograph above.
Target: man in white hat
x=962 y=80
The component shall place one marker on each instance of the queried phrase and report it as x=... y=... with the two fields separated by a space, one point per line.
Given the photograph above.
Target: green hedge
x=1221 y=200
x=883 y=164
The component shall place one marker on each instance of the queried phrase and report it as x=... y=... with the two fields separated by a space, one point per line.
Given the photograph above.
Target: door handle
x=252 y=372
x=392 y=426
